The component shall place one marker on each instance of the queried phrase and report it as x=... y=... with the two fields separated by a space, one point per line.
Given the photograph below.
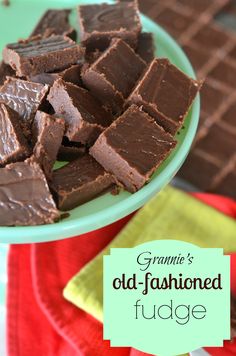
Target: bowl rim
x=71 y=228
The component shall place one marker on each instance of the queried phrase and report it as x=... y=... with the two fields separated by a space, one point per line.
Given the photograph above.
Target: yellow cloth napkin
x=172 y=214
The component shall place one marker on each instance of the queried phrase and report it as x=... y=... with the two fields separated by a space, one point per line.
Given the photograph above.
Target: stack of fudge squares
x=106 y=106
x=211 y=49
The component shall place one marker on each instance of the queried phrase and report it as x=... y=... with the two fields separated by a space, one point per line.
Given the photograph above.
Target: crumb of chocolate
x=6 y=2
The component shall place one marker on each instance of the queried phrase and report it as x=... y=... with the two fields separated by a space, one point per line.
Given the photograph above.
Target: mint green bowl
x=17 y=21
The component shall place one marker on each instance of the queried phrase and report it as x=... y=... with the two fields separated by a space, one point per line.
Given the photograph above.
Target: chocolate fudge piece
x=212 y=96
x=38 y=55
x=101 y=23
x=85 y=117
x=214 y=143
x=146 y=48
x=175 y=22
x=211 y=37
x=48 y=132
x=132 y=148
x=55 y=22
x=6 y=2
x=71 y=74
x=165 y=93
x=13 y=145
x=5 y=71
x=225 y=72
x=199 y=170
x=112 y=77
x=24 y=97
x=25 y=197
x=78 y=182
x=70 y=153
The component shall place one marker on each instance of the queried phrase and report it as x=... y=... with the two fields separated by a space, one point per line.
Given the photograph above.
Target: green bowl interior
x=22 y=16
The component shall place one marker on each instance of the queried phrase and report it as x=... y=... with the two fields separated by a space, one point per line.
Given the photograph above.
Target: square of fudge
x=212 y=97
x=112 y=77
x=25 y=196
x=71 y=75
x=225 y=72
x=13 y=144
x=55 y=22
x=100 y=23
x=211 y=37
x=84 y=116
x=199 y=170
x=146 y=47
x=79 y=182
x=165 y=93
x=24 y=97
x=5 y=71
x=219 y=142
x=175 y=22
x=132 y=148
x=47 y=134
x=38 y=55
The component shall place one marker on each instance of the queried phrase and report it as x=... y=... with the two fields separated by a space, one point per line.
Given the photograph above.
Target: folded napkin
x=170 y=215
x=39 y=320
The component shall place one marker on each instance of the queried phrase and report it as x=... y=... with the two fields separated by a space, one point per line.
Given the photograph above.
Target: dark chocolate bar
x=38 y=55
x=166 y=94
x=132 y=148
x=112 y=77
x=47 y=132
x=55 y=22
x=13 y=144
x=24 y=97
x=99 y=24
x=25 y=196
x=79 y=182
x=85 y=117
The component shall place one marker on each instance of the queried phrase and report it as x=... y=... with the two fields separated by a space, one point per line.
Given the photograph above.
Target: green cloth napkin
x=172 y=214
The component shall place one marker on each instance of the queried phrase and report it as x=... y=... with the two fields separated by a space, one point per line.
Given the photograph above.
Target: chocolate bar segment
x=112 y=77
x=99 y=24
x=55 y=22
x=84 y=115
x=25 y=197
x=71 y=74
x=39 y=55
x=224 y=72
x=146 y=48
x=212 y=96
x=5 y=71
x=196 y=163
x=47 y=132
x=24 y=97
x=13 y=145
x=166 y=94
x=79 y=182
x=132 y=148
x=211 y=37
x=215 y=144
